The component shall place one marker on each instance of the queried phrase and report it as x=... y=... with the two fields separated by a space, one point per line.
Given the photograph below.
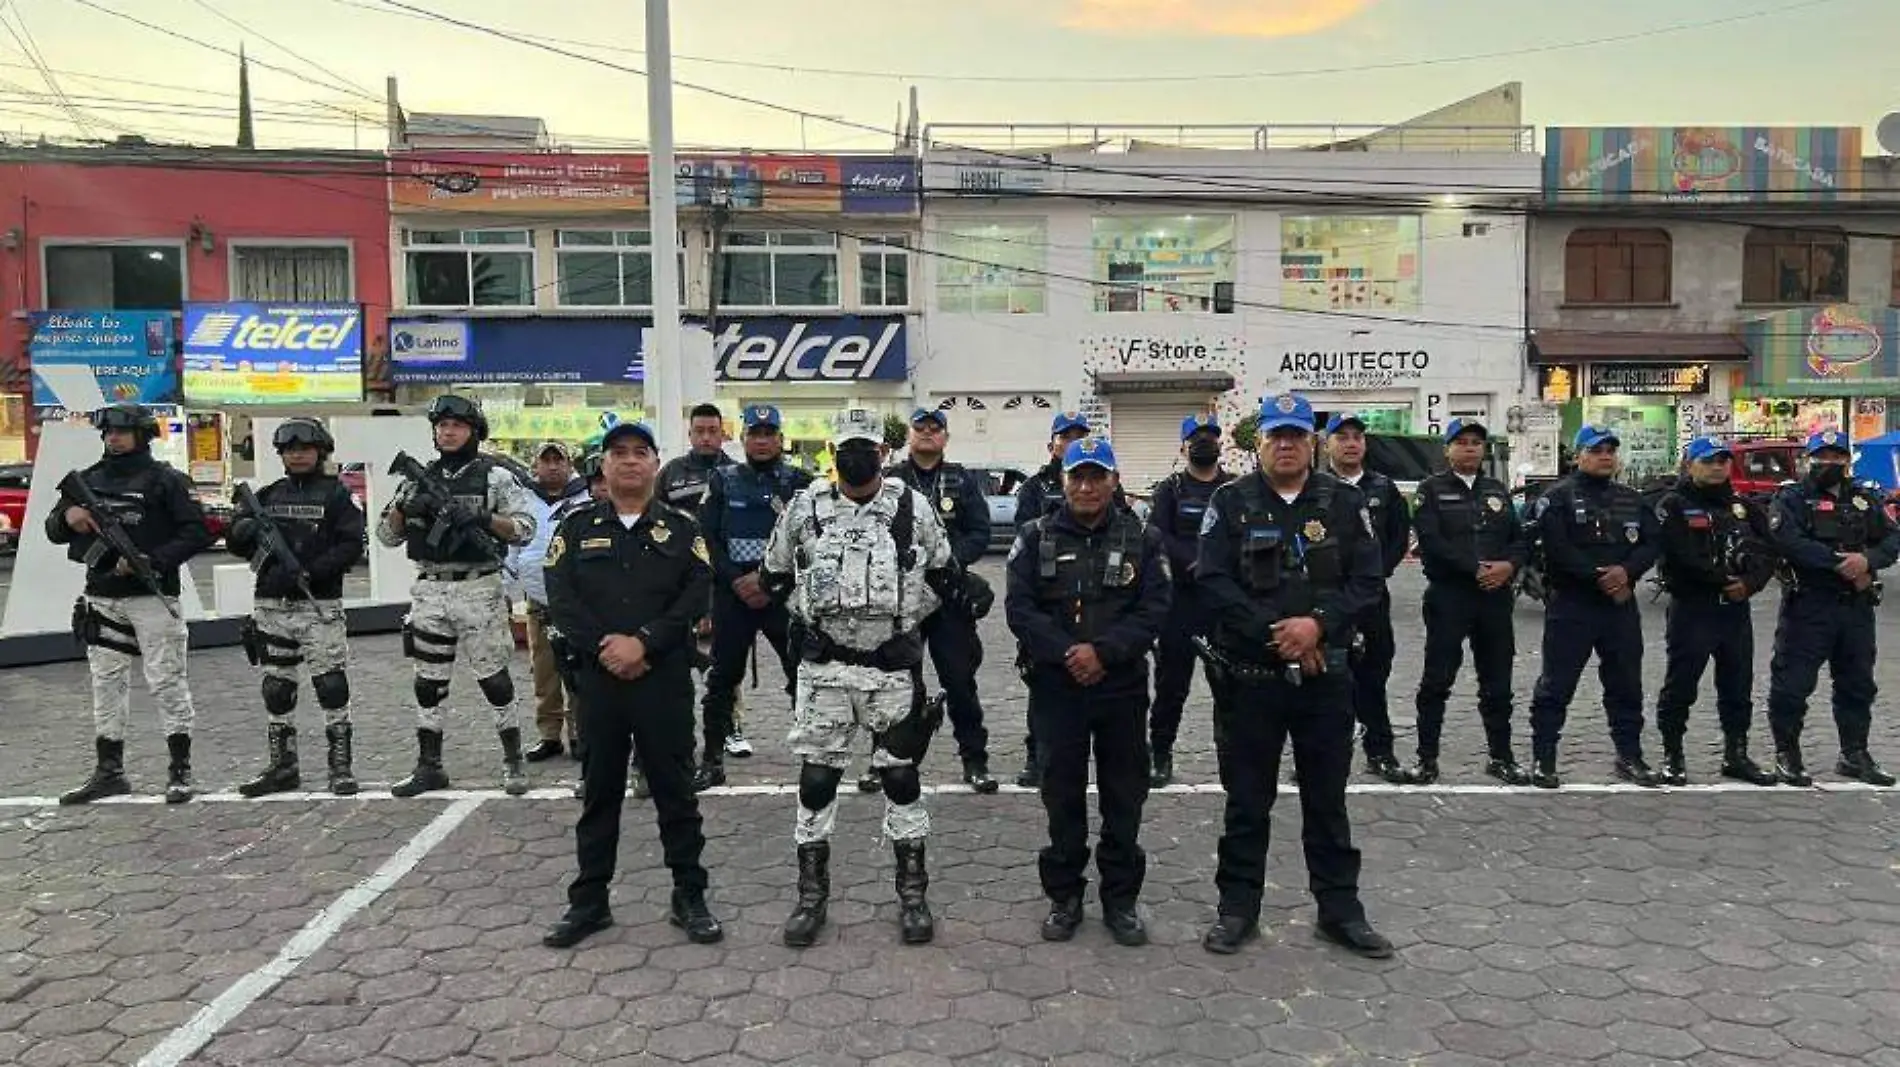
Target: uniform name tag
x=597 y=542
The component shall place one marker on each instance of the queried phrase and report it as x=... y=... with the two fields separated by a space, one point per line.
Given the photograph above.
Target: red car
x=14 y=480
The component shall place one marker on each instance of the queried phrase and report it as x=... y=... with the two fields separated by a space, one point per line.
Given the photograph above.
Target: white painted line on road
x=183 y=1043
x=374 y=794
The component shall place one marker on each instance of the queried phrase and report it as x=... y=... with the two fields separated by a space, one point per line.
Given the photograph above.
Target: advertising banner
x=1840 y=350
x=259 y=353
x=829 y=348
x=518 y=183
x=83 y=360
x=880 y=186
x=1649 y=379
x=1702 y=164
x=752 y=182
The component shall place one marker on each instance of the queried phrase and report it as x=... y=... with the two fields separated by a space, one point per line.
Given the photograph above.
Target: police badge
x=1314 y=530
x=1739 y=509
x=946 y=505
x=660 y=533
x=1495 y=503
x=1860 y=503
x=1632 y=534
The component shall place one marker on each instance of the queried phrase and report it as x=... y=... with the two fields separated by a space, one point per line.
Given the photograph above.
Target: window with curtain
x=292 y=273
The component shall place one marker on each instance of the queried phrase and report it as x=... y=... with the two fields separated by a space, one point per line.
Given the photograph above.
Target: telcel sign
x=259 y=353
x=832 y=349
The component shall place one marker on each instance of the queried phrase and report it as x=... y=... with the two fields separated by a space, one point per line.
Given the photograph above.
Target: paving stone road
x=1704 y=926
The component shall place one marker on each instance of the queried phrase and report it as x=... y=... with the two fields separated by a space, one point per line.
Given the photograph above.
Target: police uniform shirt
x=1108 y=586
x=159 y=512
x=649 y=580
x=1591 y=523
x=320 y=522
x=684 y=480
x=1461 y=524
x=1811 y=528
x=963 y=509
x=1180 y=502
x=1706 y=530
x=1391 y=521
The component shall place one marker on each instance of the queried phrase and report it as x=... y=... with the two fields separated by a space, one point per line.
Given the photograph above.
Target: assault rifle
x=271 y=543
x=450 y=516
x=112 y=537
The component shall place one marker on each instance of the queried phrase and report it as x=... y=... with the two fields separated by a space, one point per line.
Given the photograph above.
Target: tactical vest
x=847 y=570
x=1191 y=496
x=945 y=495
x=1847 y=523
x=1617 y=522
x=298 y=509
x=469 y=486
x=1482 y=515
x=753 y=504
x=1089 y=580
x=1296 y=561
x=688 y=488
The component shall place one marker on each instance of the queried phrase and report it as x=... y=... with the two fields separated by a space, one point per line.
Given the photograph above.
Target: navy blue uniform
x=1589 y=523
x=1179 y=505
x=1105 y=585
x=742 y=504
x=1459 y=527
x=1263 y=560
x=1710 y=537
x=1824 y=619
x=1392 y=522
x=955 y=649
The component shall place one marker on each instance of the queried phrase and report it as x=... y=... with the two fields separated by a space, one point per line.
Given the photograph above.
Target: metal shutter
x=1146 y=432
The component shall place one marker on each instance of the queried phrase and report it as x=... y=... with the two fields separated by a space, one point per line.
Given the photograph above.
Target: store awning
x=1634 y=346
x=1163 y=381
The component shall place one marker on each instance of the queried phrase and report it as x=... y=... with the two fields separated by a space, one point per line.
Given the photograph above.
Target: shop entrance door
x=1146 y=431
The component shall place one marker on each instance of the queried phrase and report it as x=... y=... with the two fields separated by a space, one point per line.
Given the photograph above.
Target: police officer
x=457 y=606
x=1179 y=503
x=685 y=479
x=1599 y=540
x=627 y=577
x=863 y=563
x=1471 y=542
x=1346 y=452
x=1089 y=590
x=1836 y=540
x=1716 y=555
x=297 y=612
x=1288 y=559
x=743 y=502
x=130 y=608
x=955 y=649
x=1041 y=493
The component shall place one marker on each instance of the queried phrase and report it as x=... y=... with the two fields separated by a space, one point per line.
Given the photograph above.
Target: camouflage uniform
x=161 y=641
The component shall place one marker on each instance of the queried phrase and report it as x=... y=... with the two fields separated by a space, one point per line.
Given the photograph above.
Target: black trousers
x=1371 y=673
x=1070 y=719
x=1575 y=625
x=656 y=715
x=1701 y=628
x=1817 y=627
x=1260 y=715
x=1456 y=614
x=1174 y=668
x=736 y=628
x=957 y=653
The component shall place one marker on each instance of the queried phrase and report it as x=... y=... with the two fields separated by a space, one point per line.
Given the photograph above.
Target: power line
x=341 y=81
x=24 y=38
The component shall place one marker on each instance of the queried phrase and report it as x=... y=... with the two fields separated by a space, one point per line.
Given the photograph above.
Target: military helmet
x=450 y=406
x=134 y=417
x=302 y=431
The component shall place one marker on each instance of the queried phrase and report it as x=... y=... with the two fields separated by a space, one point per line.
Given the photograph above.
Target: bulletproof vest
x=1846 y=523
x=130 y=497
x=857 y=561
x=945 y=493
x=1601 y=521
x=298 y=508
x=1088 y=580
x=1482 y=513
x=1190 y=503
x=687 y=487
x=753 y=504
x=469 y=486
x=1297 y=559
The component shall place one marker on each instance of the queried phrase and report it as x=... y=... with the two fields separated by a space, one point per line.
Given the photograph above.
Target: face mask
x=857 y=467
x=1829 y=475
x=1204 y=453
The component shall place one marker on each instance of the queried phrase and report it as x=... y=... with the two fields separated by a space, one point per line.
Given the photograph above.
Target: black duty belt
x=458 y=576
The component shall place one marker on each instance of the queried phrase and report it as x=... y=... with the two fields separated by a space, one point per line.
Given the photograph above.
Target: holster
x=909 y=738
x=81 y=623
x=251 y=641
x=93 y=630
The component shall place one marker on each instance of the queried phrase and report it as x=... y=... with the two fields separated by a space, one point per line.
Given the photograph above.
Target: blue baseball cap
x=1341 y=418
x=1459 y=426
x=1194 y=424
x=1068 y=420
x=1703 y=448
x=1088 y=451
x=629 y=429
x=1591 y=436
x=937 y=415
x=1286 y=411
x=1827 y=439
x=762 y=415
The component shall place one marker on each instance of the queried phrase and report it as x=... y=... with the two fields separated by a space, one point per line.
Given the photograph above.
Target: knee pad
x=430 y=692
x=332 y=689
x=818 y=786
x=499 y=688
x=901 y=784
x=280 y=696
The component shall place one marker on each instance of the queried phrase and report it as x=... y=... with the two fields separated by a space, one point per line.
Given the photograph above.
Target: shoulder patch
x=1774 y=519
x=1016 y=548
x=1543 y=505
x=700 y=550
x=557 y=547
x=1365 y=520
x=1662 y=510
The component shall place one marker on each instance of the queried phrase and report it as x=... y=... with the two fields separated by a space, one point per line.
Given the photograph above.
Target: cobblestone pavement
x=1706 y=926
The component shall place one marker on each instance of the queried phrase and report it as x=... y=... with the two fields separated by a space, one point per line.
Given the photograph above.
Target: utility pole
x=662 y=388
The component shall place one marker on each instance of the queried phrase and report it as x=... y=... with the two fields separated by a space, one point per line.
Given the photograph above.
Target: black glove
x=421 y=506
x=978 y=597
x=276 y=580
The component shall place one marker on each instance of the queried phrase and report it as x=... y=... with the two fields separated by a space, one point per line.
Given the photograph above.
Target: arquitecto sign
x=1353 y=368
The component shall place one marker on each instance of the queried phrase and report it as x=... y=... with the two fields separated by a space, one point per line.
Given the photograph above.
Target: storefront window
x=1646 y=428
x=115 y=277
x=992 y=266
x=607 y=268
x=784 y=270
x=1791 y=418
x=884 y=272
x=469 y=268
x=1164 y=263
x=1794 y=266
x=1349 y=262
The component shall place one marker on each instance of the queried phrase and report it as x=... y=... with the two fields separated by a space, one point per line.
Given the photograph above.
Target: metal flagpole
x=662 y=389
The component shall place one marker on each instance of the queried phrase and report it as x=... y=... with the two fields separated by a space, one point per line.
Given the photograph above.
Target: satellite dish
x=1889 y=134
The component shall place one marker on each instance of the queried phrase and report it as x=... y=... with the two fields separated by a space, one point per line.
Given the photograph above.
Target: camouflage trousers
x=831 y=703
x=307 y=634
x=161 y=640
x=465 y=622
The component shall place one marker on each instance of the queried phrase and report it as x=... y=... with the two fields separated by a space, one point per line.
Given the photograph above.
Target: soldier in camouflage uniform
x=297 y=616
x=457 y=606
x=863 y=563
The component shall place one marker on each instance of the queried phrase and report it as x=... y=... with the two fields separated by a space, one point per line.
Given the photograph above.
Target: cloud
x=1214 y=18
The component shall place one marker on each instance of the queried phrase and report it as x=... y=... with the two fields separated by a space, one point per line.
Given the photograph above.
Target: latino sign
x=1649 y=379
x=1345 y=368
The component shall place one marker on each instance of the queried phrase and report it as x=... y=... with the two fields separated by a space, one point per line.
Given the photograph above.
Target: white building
x=1380 y=270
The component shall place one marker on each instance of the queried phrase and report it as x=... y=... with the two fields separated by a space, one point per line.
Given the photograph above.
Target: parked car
x=218 y=511
x=15 y=480
x=1000 y=485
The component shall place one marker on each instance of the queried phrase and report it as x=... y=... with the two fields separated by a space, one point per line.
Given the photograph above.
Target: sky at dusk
x=1606 y=62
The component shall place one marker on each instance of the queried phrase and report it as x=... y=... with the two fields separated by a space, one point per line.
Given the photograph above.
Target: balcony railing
x=1038 y=137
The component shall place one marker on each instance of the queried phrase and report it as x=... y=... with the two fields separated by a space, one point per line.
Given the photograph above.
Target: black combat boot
x=1425 y=772
x=814 y=892
x=1737 y=764
x=282 y=774
x=1860 y=766
x=1789 y=767
x=1504 y=767
x=711 y=773
x=1065 y=917
x=1161 y=774
x=178 y=785
x=514 y=773
x=1675 y=766
x=1545 y=776
x=342 y=772
x=689 y=913
x=108 y=775
x=428 y=775
x=976 y=775
x=1389 y=769
x=1634 y=770
x=1031 y=776
x=870 y=781
x=914 y=921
